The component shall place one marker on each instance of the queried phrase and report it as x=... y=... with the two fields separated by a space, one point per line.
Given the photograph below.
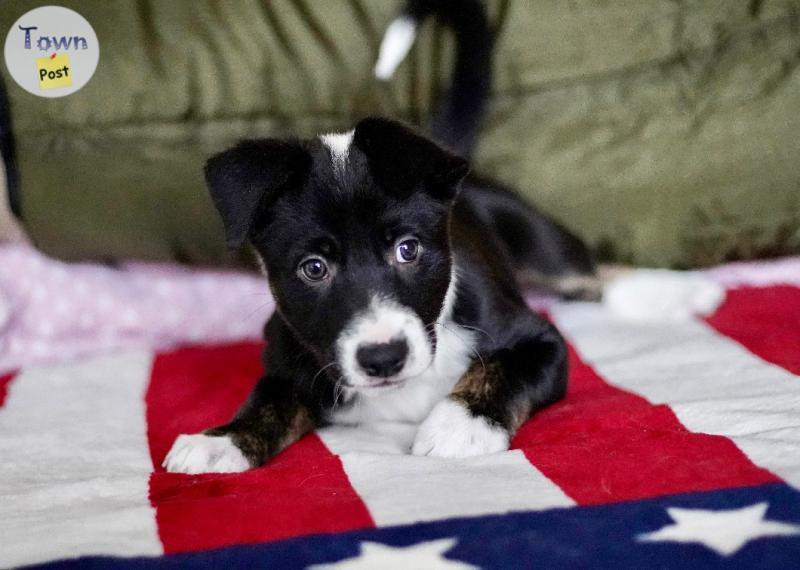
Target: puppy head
x=352 y=229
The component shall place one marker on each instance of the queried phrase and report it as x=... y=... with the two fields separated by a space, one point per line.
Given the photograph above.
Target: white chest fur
x=413 y=401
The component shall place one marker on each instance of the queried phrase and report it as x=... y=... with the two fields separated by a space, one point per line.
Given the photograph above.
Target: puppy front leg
x=496 y=395
x=270 y=420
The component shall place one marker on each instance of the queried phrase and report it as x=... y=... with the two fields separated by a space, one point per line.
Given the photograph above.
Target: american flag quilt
x=678 y=445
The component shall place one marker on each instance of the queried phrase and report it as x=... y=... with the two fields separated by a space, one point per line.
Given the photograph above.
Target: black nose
x=382 y=360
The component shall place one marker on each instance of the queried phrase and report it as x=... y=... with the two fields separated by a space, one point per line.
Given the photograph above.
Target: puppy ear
x=248 y=177
x=401 y=160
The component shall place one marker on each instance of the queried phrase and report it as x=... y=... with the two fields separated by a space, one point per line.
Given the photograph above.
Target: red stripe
x=5 y=380
x=603 y=445
x=766 y=321
x=302 y=491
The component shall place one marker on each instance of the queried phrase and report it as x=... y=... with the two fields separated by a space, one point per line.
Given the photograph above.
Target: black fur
x=8 y=153
x=524 y=355
x=246 y=178
x=397 y=183
x=457 y=120
x=543 y=253
x=292 y=200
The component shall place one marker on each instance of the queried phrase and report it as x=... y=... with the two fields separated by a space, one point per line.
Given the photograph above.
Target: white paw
x=200 y=453
x=451 y=431
x=661 y=295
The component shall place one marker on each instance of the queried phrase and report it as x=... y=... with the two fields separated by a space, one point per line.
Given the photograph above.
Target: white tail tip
x=395 y=46
x=660 y=295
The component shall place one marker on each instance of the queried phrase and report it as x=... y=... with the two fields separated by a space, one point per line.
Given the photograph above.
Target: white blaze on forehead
x=338 y=145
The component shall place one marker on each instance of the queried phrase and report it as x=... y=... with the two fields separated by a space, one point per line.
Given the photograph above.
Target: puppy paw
x=452 y=431
x=661 y=295
x=200 y=453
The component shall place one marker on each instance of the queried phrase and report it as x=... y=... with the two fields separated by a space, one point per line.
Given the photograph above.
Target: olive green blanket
x=664 y=133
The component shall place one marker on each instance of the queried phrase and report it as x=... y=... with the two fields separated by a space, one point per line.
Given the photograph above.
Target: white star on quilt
x=725 y=532
x=428 y=555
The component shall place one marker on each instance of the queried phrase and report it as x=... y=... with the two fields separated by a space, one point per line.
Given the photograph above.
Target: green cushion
x=664 y=133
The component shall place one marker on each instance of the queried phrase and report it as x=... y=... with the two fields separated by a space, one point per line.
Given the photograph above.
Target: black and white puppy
x=395 y=300
x=397 y=287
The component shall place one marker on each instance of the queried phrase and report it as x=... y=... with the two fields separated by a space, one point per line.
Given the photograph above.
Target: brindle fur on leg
x=264 y=432
x=509 y=384
x=477 y=384
x=478 y=391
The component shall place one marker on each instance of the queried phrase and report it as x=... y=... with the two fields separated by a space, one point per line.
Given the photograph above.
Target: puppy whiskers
x=468 y=345
x=336 y=393
x=476 y=329
x=257 y=310
x=320 y=371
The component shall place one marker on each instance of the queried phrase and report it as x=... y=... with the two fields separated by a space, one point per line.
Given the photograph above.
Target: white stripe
x=399 y=488
x=711 y=382
x=75 y=468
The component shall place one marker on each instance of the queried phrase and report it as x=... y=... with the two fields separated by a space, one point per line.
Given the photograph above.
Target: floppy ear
x=401 y=159
x=248 y=177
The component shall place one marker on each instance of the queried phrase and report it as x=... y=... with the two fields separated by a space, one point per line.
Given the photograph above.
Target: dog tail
x=456 y=121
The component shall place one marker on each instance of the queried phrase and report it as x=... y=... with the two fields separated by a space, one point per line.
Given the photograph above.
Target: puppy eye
x=314 y=269
x=407 y=250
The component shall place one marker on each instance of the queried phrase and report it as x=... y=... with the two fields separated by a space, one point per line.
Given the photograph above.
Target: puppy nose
x=382 y=360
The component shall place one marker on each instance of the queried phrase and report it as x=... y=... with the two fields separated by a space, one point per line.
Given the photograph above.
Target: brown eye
x=314 y=269
x=407 y=250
